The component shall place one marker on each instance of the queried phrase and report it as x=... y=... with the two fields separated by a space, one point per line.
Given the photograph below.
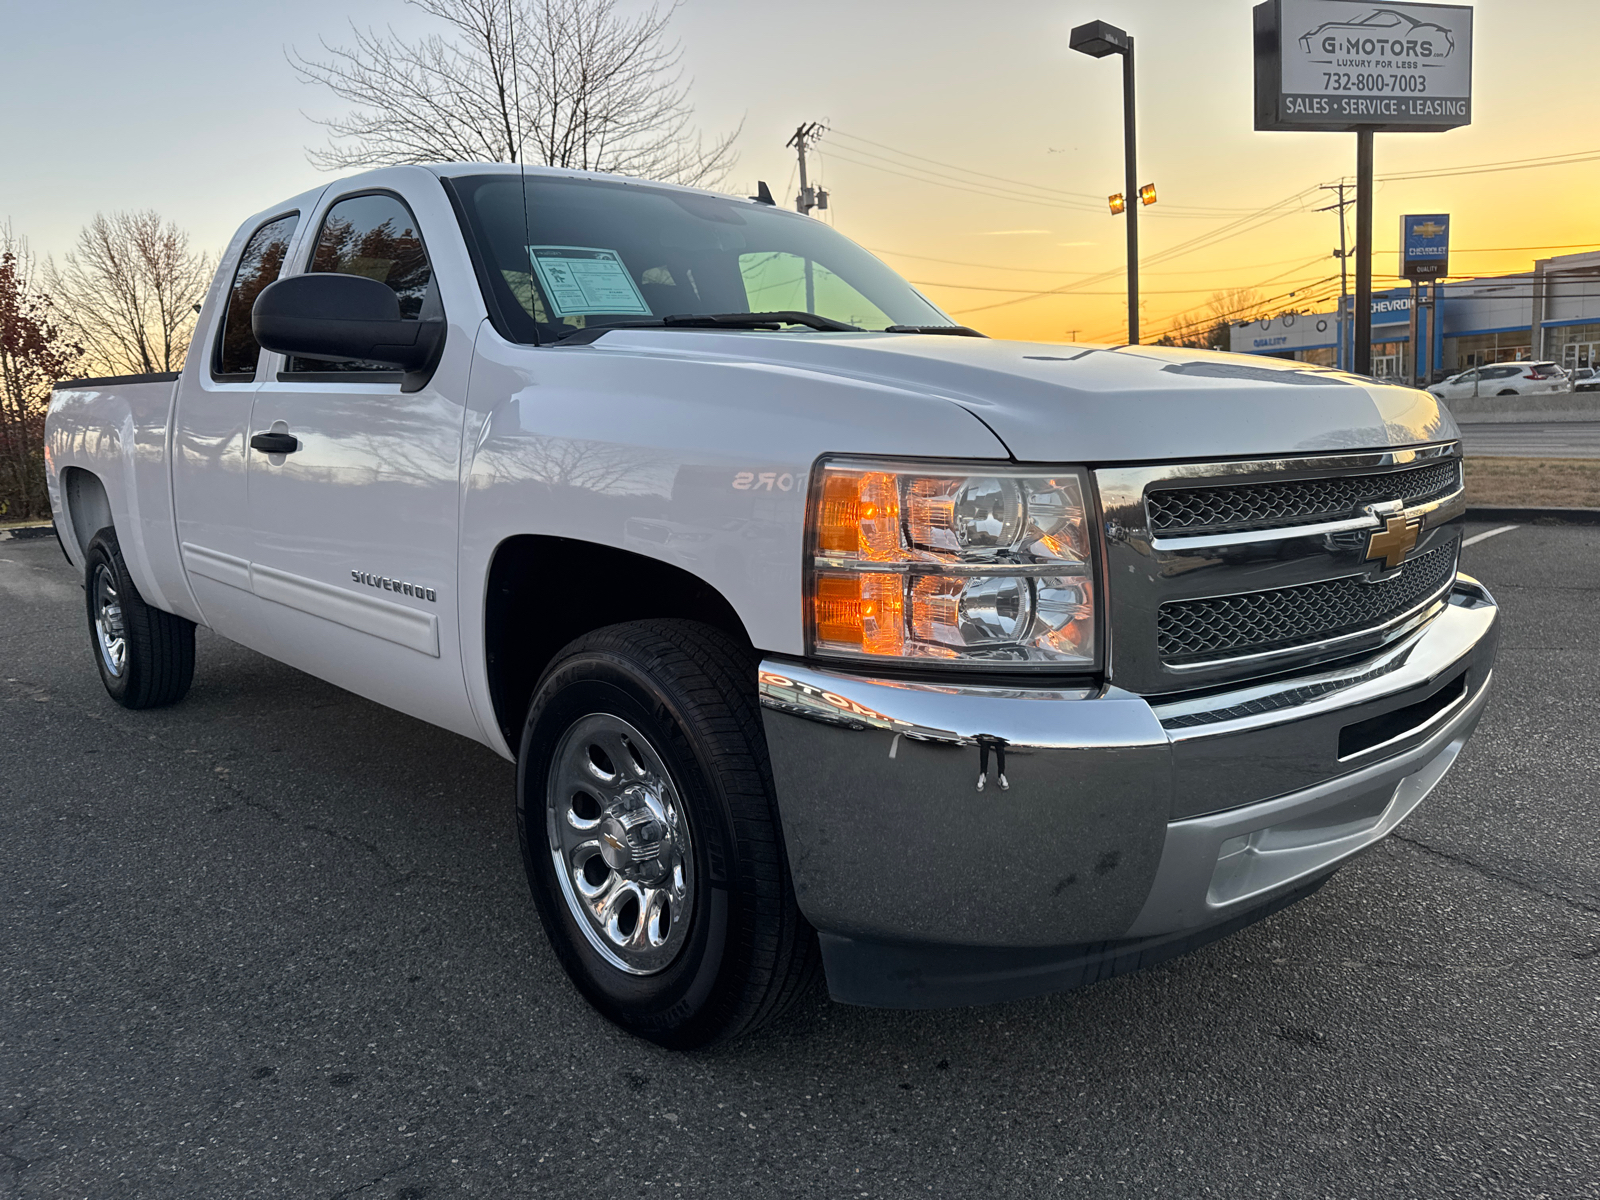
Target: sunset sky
x=935 y=107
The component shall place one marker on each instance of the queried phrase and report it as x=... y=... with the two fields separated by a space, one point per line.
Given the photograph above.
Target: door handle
x=274 y=443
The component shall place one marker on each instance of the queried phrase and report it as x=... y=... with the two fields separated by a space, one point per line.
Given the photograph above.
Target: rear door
x=211 y=453
x=355 y=532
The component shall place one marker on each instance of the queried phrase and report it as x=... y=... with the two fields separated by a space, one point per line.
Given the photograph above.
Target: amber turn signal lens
x=864 y=612
x=860 y=515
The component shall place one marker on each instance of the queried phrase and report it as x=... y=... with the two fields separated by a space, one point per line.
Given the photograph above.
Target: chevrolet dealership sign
x=1424 y=246
x=1348 y=64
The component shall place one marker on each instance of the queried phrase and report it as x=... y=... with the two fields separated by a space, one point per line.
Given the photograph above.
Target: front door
x=355 y=529
x=1465 y=384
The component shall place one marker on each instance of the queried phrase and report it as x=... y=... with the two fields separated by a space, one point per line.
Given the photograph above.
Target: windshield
x=594 y=252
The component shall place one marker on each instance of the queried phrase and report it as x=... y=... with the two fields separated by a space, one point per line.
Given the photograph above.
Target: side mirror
x=343 y=318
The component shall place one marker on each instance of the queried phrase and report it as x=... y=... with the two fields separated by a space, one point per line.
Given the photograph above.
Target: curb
x=1536 y=516
x=22 y=533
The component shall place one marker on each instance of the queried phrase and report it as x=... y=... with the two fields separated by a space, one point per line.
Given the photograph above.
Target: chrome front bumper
x=956 y=844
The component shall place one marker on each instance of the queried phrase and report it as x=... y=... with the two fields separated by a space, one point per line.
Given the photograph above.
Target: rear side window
x=259 y=265
x=374 y=235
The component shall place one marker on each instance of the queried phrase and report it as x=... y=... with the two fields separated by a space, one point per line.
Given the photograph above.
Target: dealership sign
x=1348 y=64
x=1424 y=246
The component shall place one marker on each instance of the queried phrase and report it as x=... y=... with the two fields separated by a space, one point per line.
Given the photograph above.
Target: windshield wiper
x=762 y=320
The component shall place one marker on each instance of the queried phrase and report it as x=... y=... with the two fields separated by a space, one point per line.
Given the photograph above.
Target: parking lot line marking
x=1483 y=537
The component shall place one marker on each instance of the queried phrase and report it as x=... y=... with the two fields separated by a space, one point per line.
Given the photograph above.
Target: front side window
x=374 y=235
x=560 y=254
x=259 y=264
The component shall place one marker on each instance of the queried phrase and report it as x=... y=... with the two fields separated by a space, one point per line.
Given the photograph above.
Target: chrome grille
x=1197 y=631
x=1294 y=502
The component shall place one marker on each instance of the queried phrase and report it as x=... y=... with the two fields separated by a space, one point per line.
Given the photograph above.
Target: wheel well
x=544 y=592
x=88 y=507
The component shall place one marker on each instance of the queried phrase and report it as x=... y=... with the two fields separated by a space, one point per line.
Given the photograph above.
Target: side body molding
x=384 y=619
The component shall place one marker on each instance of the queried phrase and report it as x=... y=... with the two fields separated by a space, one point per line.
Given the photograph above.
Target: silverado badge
x=1394 y=541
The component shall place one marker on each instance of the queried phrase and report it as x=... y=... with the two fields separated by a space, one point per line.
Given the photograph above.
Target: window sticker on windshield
x=579 y=281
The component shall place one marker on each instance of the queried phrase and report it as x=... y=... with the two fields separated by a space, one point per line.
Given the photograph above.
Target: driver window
x=374 y=235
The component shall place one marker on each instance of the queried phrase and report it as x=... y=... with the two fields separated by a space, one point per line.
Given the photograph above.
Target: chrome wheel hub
x=620 y=844
x=110 y=629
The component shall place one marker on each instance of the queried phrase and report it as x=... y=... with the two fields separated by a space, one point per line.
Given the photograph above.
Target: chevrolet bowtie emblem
x=1394 y=541
x=1428 y=229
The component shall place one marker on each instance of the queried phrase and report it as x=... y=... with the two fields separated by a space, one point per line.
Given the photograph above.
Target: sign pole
x=1362 y=364
x=1345 y=67
x=1414 y=375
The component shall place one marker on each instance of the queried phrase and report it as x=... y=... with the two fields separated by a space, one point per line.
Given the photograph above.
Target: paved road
x=276 y=942
x=1556 y=439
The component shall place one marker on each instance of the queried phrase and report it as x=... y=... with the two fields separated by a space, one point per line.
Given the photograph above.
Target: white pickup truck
x=825 y=633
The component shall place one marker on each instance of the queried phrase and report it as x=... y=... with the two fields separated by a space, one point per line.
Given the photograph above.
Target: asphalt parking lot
x=276 y=942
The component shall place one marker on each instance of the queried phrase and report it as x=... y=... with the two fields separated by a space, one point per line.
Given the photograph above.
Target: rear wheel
x=650 y=834
x=145 y=655
x=1509 y=392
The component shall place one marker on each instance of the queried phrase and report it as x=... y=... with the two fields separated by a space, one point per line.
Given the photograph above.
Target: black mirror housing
x=343 y=318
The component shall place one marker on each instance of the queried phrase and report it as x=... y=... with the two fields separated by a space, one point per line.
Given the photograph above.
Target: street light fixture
x=1098 y=39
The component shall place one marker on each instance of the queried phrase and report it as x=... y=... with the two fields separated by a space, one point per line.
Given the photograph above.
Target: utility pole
x=1343 y=255
x=809 y=198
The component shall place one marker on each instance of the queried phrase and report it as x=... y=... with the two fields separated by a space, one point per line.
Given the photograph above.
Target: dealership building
x=1551 y=312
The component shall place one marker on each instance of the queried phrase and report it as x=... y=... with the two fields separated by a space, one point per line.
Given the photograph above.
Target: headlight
x=988 y=567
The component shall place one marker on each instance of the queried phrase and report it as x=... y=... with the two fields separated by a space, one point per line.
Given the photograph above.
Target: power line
x=1256 y=220
x=1499 y=249
x=1094 y=203
x=946 y=181
x=957 y=262
x=953 y=262
x=1509 y=164
x=1056 y=198
x=972 y=287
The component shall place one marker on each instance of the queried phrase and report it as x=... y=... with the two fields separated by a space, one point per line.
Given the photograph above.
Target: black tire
x=747 y=951
x=1509 y=392
x=157 y=653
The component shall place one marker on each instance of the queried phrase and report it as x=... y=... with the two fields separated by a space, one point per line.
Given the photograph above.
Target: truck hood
x=1095 y=404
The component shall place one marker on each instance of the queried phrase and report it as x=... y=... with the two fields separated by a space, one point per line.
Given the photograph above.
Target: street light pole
x=1098 y=39
x=1130 y=174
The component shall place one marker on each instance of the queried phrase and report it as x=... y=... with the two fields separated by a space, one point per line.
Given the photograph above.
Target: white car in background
x=1504 y=379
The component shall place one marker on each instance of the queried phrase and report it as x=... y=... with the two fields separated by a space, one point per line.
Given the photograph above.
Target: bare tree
x=128 y=292
x=1236 y=305
x=567 y=83
x=34 y=353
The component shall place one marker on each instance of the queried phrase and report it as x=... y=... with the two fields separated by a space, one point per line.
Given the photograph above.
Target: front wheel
x=1510 y=392
x=650 y=834
x=145 y=655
